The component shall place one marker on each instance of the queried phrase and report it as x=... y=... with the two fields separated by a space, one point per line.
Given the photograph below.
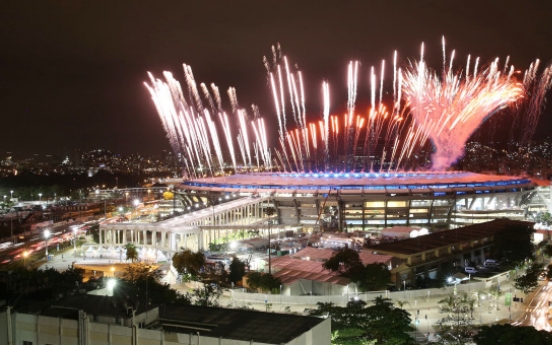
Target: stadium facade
x=365 y=201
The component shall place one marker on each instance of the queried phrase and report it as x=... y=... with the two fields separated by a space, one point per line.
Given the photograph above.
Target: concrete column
x=201 y=240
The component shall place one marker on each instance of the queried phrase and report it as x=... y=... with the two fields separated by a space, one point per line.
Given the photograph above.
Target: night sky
x=72 y=72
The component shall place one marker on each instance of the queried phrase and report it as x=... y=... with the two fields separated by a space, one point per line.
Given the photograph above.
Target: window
x=27 y=342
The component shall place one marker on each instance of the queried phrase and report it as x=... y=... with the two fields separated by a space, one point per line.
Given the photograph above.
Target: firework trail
x=325 y=131
x=449 y=110
x=536 y=88
x=190 y=128
x=445 y=107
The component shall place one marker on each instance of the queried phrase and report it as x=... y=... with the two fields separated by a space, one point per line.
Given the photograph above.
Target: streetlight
x=111 y=285
x=453 y=281
x=25 y=255
x=269 y=249
x=39 y=196
x=11 y=194
x=75 y=229
x=135 y=202
x=47 y=236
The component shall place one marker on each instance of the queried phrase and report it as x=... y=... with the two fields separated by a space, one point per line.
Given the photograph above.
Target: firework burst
x=389 y=135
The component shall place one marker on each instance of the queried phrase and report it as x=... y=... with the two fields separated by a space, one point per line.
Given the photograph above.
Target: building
x=365 y=201
x=424 y=256
x=302 y=273
x=80 y=321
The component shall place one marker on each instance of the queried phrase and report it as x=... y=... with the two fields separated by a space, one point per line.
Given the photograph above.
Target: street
x=537 y=312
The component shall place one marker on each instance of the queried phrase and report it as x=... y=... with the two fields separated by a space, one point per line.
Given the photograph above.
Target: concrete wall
x=56 y=331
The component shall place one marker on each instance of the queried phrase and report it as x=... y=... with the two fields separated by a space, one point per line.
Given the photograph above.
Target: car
x=491 y=263
x=470 y=270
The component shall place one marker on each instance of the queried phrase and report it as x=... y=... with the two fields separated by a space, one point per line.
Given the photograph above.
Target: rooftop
x=444 y=238
x=237 y=324
x=295 y=267
x=337 y=181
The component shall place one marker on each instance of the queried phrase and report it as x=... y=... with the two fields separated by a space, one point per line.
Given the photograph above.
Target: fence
x=239 y=295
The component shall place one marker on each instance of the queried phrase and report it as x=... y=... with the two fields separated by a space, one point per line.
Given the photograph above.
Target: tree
x=189 y=264
x=515 y=243
x=94 y=230
x=530 y=280
x=388 y=324
x=136 y=273
x=206 y=296
x=507 y=334
x=351 y=336
x=457 y=327
x=144 y=282
x=214 y=274
x=264 y=282
x=547 y=250
x=372 y=277
x=344 y=261
x=358 y=323
x=237 y=270
x=131 y=252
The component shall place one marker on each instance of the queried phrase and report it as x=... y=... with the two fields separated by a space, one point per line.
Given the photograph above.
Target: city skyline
x=73 y=73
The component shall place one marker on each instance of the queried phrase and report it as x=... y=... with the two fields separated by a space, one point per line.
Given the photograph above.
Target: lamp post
x=404 y=289
x=39 y=196
x=455 y=281
x=11 y=194
x=25 y=255
x=47 y=236
x=75 y=229
x=427 y=324
x=135 y=202
x=269 y=249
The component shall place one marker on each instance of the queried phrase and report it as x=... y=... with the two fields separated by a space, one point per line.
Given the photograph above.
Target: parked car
x=470 y=270
x=491 y=263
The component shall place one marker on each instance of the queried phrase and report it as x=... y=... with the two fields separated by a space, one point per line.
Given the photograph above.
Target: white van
x=490 y=263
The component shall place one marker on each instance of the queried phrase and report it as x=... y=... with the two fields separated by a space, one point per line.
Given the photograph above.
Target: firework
x=444 y=108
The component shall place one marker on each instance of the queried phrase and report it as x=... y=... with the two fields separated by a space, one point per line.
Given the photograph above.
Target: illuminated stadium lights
x=363 y=201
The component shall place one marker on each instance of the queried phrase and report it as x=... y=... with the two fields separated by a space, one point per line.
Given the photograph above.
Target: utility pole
x=269 y=249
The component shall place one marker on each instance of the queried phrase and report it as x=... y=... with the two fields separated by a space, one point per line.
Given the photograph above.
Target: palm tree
x=131 y=252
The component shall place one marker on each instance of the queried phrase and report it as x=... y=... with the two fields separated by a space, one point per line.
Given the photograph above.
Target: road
x=537 y=311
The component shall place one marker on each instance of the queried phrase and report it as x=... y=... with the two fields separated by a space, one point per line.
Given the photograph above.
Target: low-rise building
x=80 y=321
x=423 y=256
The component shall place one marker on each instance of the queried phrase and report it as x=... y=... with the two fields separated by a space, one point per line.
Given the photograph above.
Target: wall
x=42 y=330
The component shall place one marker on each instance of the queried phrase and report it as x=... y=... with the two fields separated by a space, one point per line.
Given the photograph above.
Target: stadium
x=358 y=169
x=365 y=201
